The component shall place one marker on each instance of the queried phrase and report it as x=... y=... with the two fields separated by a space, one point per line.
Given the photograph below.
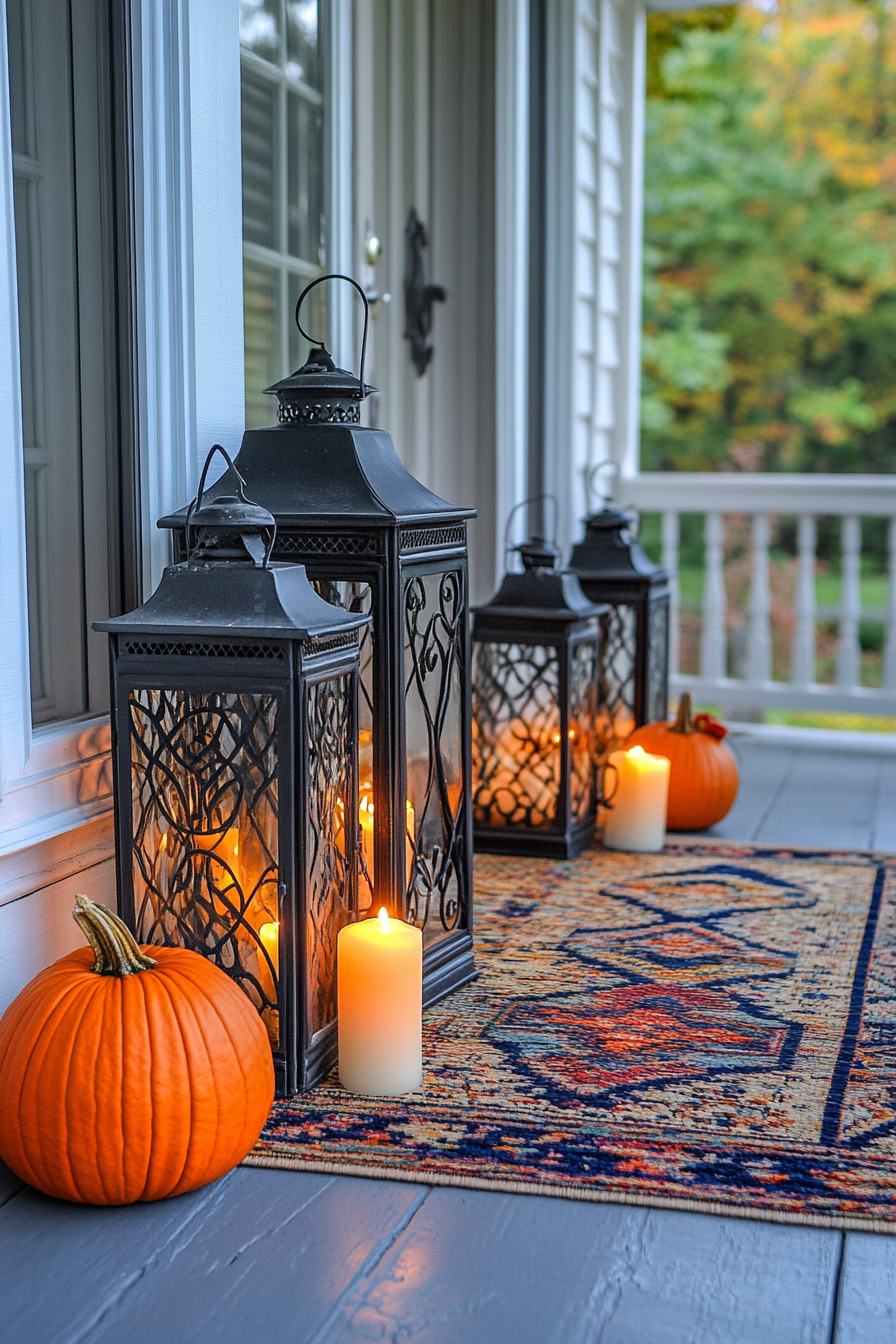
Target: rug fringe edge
x=830 y=1222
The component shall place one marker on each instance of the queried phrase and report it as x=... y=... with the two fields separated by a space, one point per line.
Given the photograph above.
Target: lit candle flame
x=384 y=919
x=637 y=751
x=270 y=936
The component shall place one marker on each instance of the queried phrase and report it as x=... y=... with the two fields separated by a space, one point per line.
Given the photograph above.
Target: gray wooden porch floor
x=265 y=1256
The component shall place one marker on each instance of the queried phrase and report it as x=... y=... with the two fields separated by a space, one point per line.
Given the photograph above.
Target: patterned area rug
x=711 y=1028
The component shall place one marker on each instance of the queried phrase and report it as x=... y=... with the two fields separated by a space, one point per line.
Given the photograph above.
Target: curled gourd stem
x=685 y=721
x=114 y=946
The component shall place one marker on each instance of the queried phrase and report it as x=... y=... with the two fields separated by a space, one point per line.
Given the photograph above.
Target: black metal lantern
x=535 y=706
x=234 y=719
x=375 y=540
x=613 y=568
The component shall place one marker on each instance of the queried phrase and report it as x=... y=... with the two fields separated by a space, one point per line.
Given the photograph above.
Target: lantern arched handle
x=313 y=340
x=524 y=503
x=241 y=495
x=605 y=468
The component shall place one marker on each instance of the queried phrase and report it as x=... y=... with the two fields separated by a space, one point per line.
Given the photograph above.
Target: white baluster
x=804 y=635
x=890 y=651
x=848 y=652
x=759 y=635
x=670 y=562
x=713 y=645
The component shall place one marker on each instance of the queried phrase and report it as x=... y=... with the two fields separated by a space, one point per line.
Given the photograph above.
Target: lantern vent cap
x=230 y=527
x=539 y=554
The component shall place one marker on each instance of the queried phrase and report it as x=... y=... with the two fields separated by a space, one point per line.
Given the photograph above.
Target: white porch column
x=595 y=123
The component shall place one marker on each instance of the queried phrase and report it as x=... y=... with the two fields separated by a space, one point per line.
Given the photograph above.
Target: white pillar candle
x=636 y=821
x=380 y=1006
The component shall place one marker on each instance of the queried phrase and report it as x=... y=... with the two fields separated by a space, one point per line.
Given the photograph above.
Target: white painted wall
x=37 y=929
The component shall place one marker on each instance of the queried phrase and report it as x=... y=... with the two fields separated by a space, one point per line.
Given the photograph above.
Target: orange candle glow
x=380 y=1006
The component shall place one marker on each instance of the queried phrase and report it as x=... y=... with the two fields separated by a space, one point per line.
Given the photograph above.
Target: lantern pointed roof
x=543 y=592
x=222 y=598
x=337 y=474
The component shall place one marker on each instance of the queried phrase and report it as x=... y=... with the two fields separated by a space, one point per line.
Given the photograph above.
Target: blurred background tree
x=770 y=239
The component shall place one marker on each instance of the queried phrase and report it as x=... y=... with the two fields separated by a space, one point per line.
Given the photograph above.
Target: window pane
x=47 y=280
x=260 y=28
x=261 y=315
x=305 y=151
x=259 y=144
x=301 y=41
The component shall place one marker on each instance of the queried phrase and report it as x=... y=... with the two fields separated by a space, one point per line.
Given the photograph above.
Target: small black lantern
x=612 y=568
x=535 y=706
x=234 y=721
x=375 y=540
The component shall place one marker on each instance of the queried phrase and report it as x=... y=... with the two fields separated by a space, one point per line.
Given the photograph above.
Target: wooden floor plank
x=9 y=1184
x=764 y=772
x=828 y=801
x=866 y=1308
x=261 y=1255
x=508 y=1270
x=63 y=1264
x=883 y=835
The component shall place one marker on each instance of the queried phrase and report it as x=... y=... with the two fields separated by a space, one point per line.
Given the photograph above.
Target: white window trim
x=189 y=366
x=511 y=270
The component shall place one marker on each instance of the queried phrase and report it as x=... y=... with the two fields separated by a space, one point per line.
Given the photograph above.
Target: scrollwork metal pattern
x=617 y=678
x=205 y=830
x=329 y=904
x=516 y=735
x=583 y=672
x=434 y=620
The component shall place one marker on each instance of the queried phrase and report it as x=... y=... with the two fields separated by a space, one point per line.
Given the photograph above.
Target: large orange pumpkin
x=703 y=777
x=125 y=1076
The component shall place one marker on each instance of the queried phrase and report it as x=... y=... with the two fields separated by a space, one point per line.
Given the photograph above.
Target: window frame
x=178 y=95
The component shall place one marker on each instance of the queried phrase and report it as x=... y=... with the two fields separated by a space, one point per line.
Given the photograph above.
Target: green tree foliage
x=770 y=239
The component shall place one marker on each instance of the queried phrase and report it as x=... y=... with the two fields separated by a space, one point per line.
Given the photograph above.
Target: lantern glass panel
x=582 y=717
x=204 y=792
x=516 y=734
x=434 y=616
x=357 y=596
x=658 y=653
x=618 y=677
x=330 y=727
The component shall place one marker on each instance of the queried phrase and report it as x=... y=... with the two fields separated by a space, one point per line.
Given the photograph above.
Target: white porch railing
x=763 y=497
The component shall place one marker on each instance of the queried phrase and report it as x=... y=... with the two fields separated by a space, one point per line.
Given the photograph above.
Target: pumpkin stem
x=685 y=721
x=114 y=946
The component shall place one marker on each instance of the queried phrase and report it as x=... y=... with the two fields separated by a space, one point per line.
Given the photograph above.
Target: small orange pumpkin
x=703 y=778
x=134 y=1078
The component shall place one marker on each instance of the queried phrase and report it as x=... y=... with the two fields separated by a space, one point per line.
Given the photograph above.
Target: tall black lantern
x=613 y=568
x=376 y=541
x=234 y=719
x=535 y=705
